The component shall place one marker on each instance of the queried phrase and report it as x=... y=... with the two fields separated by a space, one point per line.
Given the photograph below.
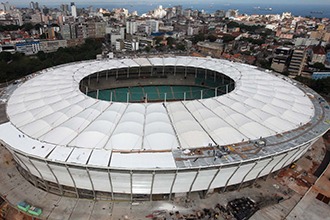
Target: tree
x=227 y=38
x=43 y=36
x=319 y=66
x=147 y=49
x=181 y=47
x=211 y=38
x=14 y=66
x=197 y=38
x=327 y=47
x=233 y=24
x=5 y=56
x=27 y=27
x=170 y=41
x=158 y=39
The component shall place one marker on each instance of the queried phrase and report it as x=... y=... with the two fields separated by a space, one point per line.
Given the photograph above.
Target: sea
x=144 y=6
x=312 y=10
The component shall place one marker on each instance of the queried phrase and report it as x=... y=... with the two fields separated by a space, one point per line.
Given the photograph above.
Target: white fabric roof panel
x=142 y=61
x=79 y=156
x=159 y=133
x=131 y=63
x=197 y=62
x=129 y=130
x=13 y=137
x=60 y=153
x=190 y=133
x=171 y=61
x=100 y=158
x=183 y=61
x=143 y=160
x=156 y=61
x=50 y=108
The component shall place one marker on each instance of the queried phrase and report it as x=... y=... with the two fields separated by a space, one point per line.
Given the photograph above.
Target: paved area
x=310 y=207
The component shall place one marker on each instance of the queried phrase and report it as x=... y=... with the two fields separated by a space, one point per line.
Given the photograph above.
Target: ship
x=262 y=9
x=316 y=12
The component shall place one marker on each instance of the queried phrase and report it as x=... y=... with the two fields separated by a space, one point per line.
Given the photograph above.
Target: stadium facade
x=66 y=142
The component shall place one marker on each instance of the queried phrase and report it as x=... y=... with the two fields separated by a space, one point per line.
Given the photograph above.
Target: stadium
x=154 y=128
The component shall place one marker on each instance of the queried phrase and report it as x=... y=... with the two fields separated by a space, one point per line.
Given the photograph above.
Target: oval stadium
x=150 y=128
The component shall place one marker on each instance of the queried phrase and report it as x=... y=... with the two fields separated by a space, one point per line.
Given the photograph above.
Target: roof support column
x=276 y=165
x=131 y=184
x=262 y=170
x=240 y=185
x=224 y=189
x=152 y=184
x=213 y=178
x=286 y=161
x=92 y=184
x=58 y=183
x=171 y=190
x=192 y=184
x=111 y=186
x=298 y=155
x=74 y=183
x=43 y=180
x=27 y=169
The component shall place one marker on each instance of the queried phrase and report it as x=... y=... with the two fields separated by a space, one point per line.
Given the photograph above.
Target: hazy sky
x=96 y=2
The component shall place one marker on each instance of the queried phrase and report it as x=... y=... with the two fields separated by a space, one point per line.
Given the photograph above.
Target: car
x=35 y=211
x=23 y=206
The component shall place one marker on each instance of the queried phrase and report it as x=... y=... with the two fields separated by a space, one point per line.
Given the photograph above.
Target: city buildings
x=253 y=39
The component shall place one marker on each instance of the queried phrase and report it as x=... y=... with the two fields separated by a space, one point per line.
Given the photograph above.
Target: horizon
x=25 y=3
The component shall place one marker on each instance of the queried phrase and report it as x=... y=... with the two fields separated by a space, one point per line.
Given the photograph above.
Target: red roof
x=319 y=50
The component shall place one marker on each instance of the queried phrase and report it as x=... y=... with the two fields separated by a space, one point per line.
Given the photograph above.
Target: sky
x=25 y=3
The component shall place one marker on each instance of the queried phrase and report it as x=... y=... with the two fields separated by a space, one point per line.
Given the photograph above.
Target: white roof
x=143 y=160
x=51 y=109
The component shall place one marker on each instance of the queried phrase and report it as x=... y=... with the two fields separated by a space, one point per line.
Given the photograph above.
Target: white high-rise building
x=5 y=6
x=73 y=10
x=152 y=26
x=32 y=6
x=131 y=27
